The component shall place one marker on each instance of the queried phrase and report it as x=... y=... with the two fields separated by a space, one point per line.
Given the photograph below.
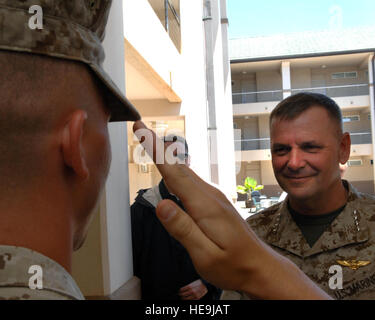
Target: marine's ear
x=72 y=144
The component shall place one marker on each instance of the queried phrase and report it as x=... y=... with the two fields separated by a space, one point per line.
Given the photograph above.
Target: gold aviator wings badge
x=353 y=264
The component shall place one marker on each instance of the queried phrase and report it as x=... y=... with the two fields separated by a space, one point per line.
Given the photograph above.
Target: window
x=344 y=75
x=143 y=168
x=351 y=118
x=369 y=116
x=354 y=163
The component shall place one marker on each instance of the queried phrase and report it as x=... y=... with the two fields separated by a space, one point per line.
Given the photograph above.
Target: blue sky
x=248 y=18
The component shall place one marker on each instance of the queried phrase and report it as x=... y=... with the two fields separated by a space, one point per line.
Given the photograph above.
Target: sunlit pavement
x=242 y=210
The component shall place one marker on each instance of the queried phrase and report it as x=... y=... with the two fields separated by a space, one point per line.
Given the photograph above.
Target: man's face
x=306 y=153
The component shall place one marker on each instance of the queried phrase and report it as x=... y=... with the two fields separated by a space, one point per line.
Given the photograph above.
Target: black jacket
x=161 y=262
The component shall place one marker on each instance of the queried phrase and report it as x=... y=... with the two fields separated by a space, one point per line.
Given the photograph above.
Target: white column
x=192 y=82
x=115 y=211
x=285 y=74
x=372 y=106
x=223 y=100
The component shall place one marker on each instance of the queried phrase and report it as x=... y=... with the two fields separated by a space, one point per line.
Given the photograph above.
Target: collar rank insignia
x=353 y=264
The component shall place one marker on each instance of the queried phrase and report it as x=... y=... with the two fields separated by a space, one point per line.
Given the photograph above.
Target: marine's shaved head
x=36 y=92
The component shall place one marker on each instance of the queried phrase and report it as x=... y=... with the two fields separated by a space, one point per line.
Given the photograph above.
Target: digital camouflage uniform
x=350 y=239
x=15 y=263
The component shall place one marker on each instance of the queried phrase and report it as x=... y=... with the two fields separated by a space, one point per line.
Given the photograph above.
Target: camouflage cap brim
x=72 y=30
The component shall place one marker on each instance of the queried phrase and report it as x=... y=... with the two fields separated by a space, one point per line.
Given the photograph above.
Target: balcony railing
x=361 y=89
x=338 y=91
x=257 y=96
x=170 y=18
x=252 y=144
x=361 y=138
x=264 y=143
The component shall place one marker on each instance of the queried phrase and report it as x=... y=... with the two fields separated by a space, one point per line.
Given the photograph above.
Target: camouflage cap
x=72 y=30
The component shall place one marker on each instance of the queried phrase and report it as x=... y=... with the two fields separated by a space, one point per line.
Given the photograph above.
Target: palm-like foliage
x=249 y=186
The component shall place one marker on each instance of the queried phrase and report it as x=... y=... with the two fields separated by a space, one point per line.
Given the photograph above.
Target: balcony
x=263 y=102
x=357 y=138
x=257 y=96
x=277 y=95
x=361 y=138
x=152 y=61
x=168 y=14
x=361 y=89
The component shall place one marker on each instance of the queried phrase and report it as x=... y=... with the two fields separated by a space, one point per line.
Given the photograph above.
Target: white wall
x=115 y=211
x=145 y=32
x=104 y=263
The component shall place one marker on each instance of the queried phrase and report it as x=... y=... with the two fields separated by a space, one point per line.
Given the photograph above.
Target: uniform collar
x=16 y=261
x=349 y=227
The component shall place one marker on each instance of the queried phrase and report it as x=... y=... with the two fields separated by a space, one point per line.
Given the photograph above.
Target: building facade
x=178 y=77
x=266 y=70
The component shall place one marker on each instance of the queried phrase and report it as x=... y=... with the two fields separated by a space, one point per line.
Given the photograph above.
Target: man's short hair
x=293 y=106
x=174 y=138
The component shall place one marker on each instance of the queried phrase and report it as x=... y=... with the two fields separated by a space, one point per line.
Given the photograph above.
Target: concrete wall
x=362 y=78
x=264 y=128
x=249 y=169
x=249 y=127
x=87 y=267
x=244 y=82
x=268 y=80
x=300 y=78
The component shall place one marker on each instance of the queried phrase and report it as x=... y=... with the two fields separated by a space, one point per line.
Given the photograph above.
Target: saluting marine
x=56 y=101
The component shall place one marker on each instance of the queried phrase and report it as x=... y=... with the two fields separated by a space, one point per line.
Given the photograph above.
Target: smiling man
x=324 y=225
x=308 y=145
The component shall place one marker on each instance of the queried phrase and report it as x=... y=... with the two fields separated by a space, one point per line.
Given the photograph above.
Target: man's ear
x=72 y=146
x=345 y=145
